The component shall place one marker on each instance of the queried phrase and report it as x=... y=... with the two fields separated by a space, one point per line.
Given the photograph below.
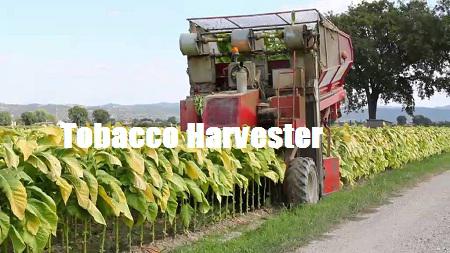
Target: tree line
x=80 y=116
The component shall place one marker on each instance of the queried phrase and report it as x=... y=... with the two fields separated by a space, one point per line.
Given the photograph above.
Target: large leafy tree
x=421 y=120
x=5 y=119
x=78 y=115
x=30 y=118
x=401 y=120
x=43 y=116
x=101 y=116
x=399 y=48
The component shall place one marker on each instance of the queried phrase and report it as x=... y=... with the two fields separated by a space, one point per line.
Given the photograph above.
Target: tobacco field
x=87 y=200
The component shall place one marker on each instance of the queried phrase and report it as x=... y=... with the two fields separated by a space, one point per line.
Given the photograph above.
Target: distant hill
x=165 y=110
x=391 y=113
x=119 y=112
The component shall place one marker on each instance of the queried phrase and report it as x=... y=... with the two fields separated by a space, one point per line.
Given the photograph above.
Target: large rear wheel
x=301 y=184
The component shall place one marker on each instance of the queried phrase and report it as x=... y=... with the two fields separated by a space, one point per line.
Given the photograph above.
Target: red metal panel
x=248 y=104
x=332 y=181
x=231 y=109
x=187 y=113
x=285 y=103
x=337 y=96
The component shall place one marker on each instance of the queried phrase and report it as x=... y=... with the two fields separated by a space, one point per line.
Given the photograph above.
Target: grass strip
x=293 y=228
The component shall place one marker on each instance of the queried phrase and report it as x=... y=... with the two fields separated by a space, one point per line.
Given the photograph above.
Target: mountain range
x=389 y=113
x=119 y=112
x=165 y=110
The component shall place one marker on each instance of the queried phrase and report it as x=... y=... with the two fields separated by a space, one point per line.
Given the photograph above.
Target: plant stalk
x=102 y=242
x=85 y=233
x=117 y=235
x=66 y=234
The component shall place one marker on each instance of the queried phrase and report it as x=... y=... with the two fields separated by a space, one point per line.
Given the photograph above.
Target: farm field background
x=52 y=197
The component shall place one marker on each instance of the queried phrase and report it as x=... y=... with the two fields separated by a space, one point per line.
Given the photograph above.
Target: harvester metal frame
x=304 y=90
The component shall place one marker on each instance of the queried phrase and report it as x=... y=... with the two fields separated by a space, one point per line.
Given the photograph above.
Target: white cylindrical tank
x=241 y=80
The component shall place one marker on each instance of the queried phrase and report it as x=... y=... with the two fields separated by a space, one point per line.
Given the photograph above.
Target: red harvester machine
x=270 y=70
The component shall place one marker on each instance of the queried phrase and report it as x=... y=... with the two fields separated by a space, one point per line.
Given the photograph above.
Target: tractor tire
x=301 y=184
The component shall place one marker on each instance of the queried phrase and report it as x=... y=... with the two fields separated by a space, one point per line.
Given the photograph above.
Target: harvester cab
x=270 y=70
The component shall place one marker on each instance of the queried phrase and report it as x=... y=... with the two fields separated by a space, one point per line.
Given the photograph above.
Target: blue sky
x=110 y=51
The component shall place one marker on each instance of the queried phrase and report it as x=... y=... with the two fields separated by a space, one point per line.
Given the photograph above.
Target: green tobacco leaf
x=64 y=188
x=186 y=213
x=178 y=183
x=92 y=184
x=135 y=161
x=11 y=158
x=165 y=194
x=81 y=190
x=152 y=211
x=172 y=206
x=26 y=147
x=117 y=198
x=139 y=182
x=107 y=158
x=151 y=152
x=95 y=213
x=73 y=165
x=16 y=240
x=36 y=243
x=53 y=165
x=48 y=218
x=137 y=202
x=32 y=221
x=154 y=174
x=163 y=162
x=4 y=226
x=194 y=172
x=83 y=194
x=194 y=190
x=37 y=163
x=112 y=204
x=14 y=191
x=174 y=157
x=272 y=175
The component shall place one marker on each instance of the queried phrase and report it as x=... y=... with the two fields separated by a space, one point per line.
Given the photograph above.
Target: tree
x=78 y=115
x=172 y=120
x=28 y=118
x=401 y=120
x=399 y=48
x=43 y=116
x=5 y=119
x=101 y=116
x=421 y=120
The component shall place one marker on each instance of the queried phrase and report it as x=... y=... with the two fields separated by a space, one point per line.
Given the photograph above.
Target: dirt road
x=416 y=221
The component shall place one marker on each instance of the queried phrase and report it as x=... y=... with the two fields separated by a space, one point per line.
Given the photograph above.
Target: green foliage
x=43 y=116
x=399 y=47
x=38 y=116
x=42 y=184
x=101 y=116
x=401 y=120
x=28 y=118
x=5 y=119
x=78 y=115
x=364 y=152
x=172 y=120
x=421 y=120
x=199 y=103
